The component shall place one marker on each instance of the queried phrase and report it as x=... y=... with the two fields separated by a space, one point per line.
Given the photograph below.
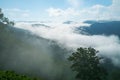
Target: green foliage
x=11 y=75
x=114 y=74
x=12 y=23
x=1 y=15
x=5 y=20
x=87 y=64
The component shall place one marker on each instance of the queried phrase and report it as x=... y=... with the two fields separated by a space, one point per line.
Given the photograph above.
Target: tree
x=87 y=64
x=11 y=23
x=0 y=10
x=11 y=75
x=115 y=74
x=1 y=14
x=5 y=20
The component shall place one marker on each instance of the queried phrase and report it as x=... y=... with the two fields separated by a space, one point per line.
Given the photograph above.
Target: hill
x=25 y=53
x=102 y=27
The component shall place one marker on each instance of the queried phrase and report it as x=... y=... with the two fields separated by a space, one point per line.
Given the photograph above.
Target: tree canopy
x=11 y=75
x=87 y=64
x=5 y=20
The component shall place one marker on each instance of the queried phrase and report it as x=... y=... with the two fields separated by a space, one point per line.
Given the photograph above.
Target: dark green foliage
x=11 y=75
x=113 y=70
x=87 y=64
x=1 y=15
x=12 y=23
x=5 y=20
x=115 y=74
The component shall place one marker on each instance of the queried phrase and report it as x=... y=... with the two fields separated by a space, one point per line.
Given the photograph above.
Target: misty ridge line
x=29 y=54
x=67 y=36
x=38 y=50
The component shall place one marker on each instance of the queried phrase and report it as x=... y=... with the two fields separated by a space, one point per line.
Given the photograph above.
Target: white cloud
x=55 y=12
x=114 y=10
x=66 y=36
x=96 y=12
x=60 y=12
x=16 y=13
x=75 y=3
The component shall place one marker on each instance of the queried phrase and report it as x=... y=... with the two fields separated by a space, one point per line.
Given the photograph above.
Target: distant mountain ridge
x=98 y=28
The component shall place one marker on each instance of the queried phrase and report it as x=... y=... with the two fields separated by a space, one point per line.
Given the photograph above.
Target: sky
x=60 y=10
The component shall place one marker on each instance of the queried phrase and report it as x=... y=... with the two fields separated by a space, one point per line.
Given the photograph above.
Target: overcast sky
x=61 y=9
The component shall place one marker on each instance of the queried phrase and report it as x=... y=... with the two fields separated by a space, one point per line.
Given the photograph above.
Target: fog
x=41 y=49
x=67 y=36
x=26 y=53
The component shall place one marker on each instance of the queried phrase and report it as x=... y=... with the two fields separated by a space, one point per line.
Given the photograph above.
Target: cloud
x=71 y=13
x=55 y=12
x=75 y=3
x=66 y=36
x=62 y=15
x=95 y=12
x=16 y=13
x=114 y=10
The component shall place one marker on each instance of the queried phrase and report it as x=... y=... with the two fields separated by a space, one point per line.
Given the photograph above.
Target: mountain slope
x=26 y=53
x=106 y=28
